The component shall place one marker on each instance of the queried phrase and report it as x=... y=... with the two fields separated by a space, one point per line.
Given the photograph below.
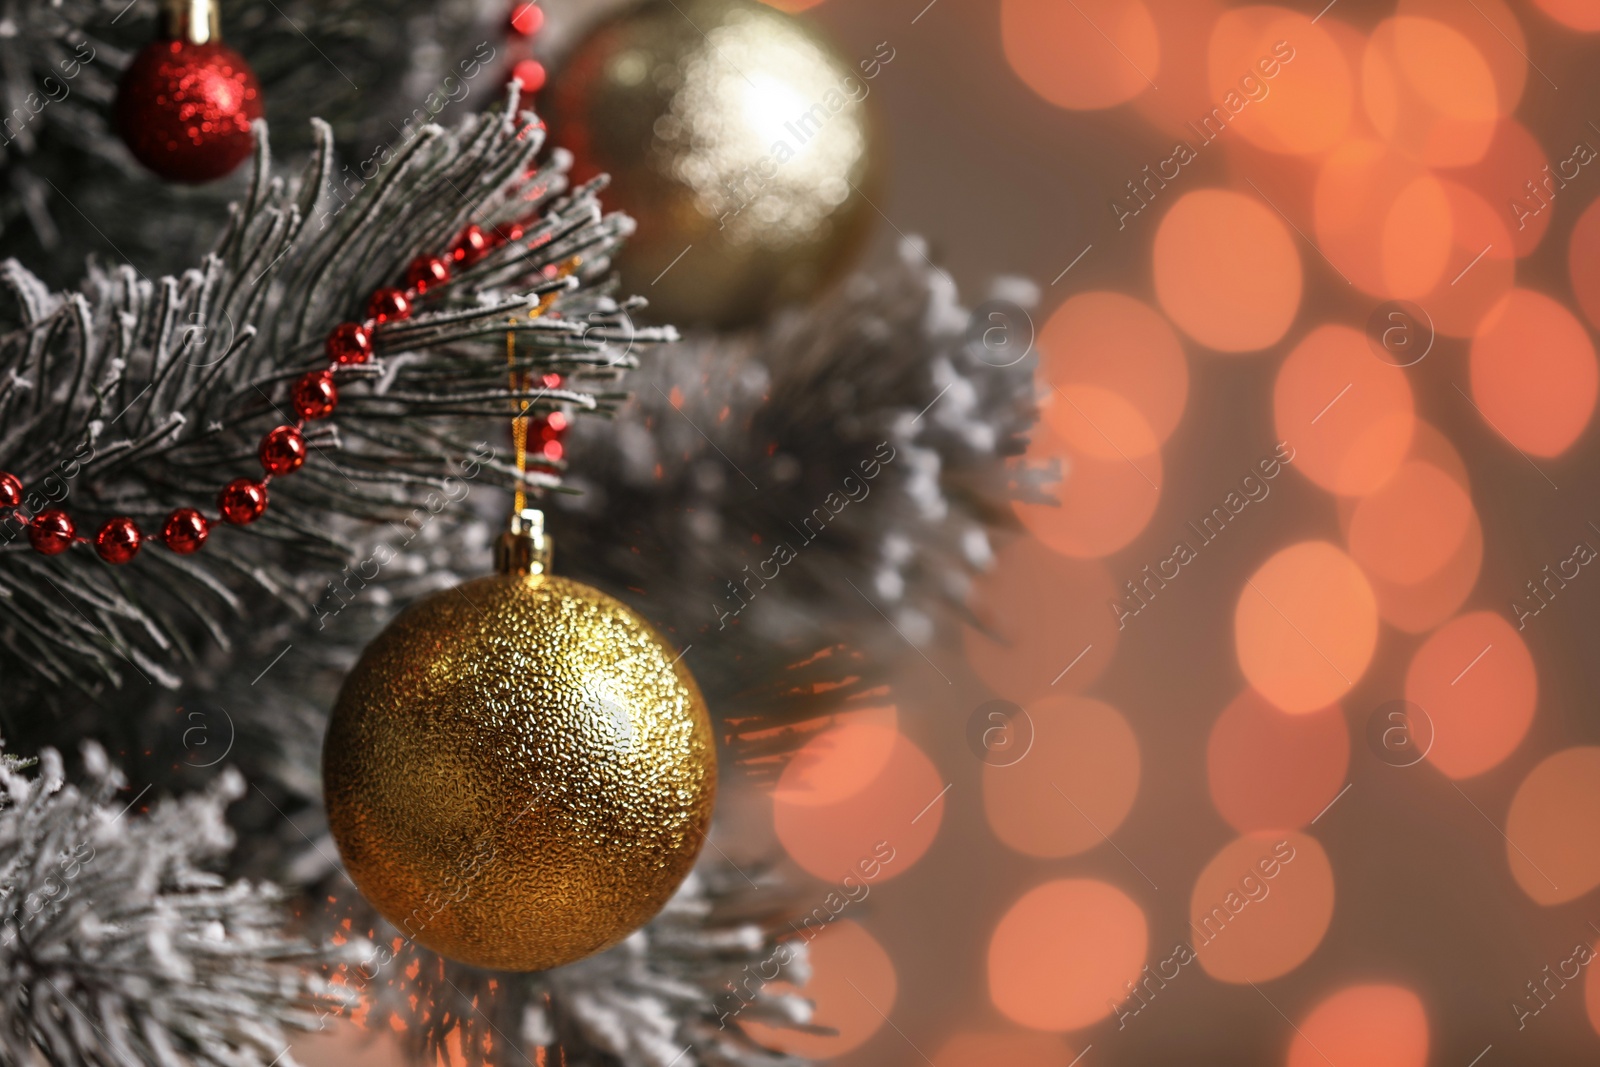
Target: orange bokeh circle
x=1553 y=827
x=840 y=761
x=1514 y=159
x=1493 y=29
x=1086 y=55
x=1347 y=413
x=1583 y=262
x=1279 y=79
x=1382 y=219
x=853 y=988
x=1411 y=526
x=1370 y=1025
x=1064 y=953
x=1306 y=626
x=1104 y=503
x=1581 y=15
x=1261 y=906
x=1097 y=423
x=1047 y=623
x=1428 y=91
x=1073 y=787
x=1227 y=271
x=1475 y=679
x=1123 y=345
x=1269 y=770
x=831 y=840
x=1534 y=375
x=1480 y=269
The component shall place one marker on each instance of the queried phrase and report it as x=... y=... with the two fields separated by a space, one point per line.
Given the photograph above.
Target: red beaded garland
x=242 y=501
x=282 y=451
x=10 y=490
x=51 y=532
x=118 y=540
x=471 y=246
x=527 y=18
x=425 y=271
x=388 y=305
x=315 y=395
x=531 y=73
x=185 y=531
x=349 y=342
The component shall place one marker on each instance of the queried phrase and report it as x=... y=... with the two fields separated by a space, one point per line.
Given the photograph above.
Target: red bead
x=185 y=531
x=553 y=426
x=184 y=110
x=118 y=540
x=388 y=305
x=527 y=18
x=552 y=451
x=315 y=396
x=552 y=381
x=51 y=532
x=242 y=501
x=283 y=450
x=471 y=246
x=530 y=72
x=349 y=343
x=426 y=272
x=10 y=490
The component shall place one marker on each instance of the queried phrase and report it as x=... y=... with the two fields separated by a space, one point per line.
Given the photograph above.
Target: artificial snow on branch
x=133 y=396
x=118 y=945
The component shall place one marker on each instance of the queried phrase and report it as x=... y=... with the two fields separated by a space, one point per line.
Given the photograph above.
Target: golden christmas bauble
x=519 y=772
x=737 y=137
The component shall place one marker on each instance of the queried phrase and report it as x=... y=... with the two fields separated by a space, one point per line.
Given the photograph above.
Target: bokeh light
x=1366 y=213
x=1261 y=906
x=1085 y=55
x=1347 y=414
x=1501 y=177
x=1047 y=626
x=1414 y=523
x=1269 y=770
x=1553 y=827
x=1305 y=626
x=1475 y=679
x=840 y=761
x=1428 y=91
x=1533 y=373
x=1480 y=269
x=1123 y=345
x=1094 y=421
x=1493 y=29
x=1583 y=15
x=853 y=988
x=829 y=841
x=1104 y=503
x=1064 y=953
x=1227 y=271
x=1583 y=262
x=1303 y=105
x=1369 y=1025
x=1185 y=93
x=1073 y=787
x=1013 y=1048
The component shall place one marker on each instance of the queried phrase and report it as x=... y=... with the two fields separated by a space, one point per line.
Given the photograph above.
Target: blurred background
x=1274 y=742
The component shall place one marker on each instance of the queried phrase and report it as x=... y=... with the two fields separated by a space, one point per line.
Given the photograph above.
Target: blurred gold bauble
x=736 y=137
x=518 y=772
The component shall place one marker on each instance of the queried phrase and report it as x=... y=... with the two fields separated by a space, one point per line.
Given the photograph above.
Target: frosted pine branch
x=119 y=947
x=134 y=395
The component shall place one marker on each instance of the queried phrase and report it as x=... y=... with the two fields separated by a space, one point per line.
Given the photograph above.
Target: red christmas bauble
x=184 y=110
